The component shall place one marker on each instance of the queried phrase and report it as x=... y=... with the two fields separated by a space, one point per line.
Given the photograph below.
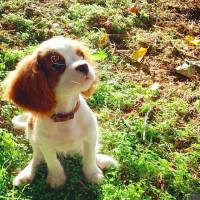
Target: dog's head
x=59 y=67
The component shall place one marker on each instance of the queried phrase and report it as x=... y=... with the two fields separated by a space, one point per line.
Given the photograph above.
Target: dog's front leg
x=92 y=172
x=28 y=173
x=56 y=176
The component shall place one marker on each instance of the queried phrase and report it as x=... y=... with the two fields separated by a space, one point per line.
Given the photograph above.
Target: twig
x=146 y=124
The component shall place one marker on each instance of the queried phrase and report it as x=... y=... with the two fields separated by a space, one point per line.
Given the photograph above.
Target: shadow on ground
x=76 y=186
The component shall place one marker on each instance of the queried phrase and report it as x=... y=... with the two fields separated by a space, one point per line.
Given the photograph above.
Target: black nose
x=83 y=68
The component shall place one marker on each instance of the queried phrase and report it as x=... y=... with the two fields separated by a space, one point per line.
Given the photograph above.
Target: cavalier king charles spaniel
x=51 y=84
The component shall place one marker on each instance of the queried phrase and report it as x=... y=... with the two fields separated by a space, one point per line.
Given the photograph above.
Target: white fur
x=20 y=121
x=48 y=138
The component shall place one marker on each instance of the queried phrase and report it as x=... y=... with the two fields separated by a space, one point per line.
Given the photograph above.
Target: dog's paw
x=94 y=175
x=56 y=180
x=24 y=177
x=104 y=161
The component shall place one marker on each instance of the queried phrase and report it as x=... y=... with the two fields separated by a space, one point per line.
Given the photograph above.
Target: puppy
x=51 y=84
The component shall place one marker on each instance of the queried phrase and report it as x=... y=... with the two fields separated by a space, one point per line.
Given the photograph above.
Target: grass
x=163 y=166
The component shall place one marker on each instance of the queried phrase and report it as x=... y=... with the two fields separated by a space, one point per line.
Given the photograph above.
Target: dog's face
x=60 y=67
x=66 y=61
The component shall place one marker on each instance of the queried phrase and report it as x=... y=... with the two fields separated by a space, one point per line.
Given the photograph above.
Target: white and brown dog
x=50 y=85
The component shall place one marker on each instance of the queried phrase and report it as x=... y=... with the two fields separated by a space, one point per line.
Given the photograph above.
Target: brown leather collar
x=61 y=117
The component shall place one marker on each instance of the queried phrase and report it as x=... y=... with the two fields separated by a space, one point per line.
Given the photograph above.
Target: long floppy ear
x=28 y=87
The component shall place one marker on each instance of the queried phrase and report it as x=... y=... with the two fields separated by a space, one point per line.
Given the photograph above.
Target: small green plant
x=17 y=22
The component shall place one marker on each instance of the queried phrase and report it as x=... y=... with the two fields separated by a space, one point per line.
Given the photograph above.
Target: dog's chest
x=62 y=133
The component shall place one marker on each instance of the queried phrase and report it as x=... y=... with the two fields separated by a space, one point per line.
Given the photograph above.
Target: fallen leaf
x=138 y=55
x=186 y=70
x=149 y=82
x=192 y=40
x=134 y=10
x=104 y=40
x=110 y=116
x=99 y=55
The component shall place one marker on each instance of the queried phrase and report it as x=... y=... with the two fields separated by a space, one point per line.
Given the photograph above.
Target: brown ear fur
x=27 y=87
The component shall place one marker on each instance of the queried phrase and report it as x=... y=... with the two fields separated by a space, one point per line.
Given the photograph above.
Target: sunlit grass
x=163 y=166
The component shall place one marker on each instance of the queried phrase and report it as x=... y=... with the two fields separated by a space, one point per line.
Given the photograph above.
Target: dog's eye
x=58 y=66
x=57 y=63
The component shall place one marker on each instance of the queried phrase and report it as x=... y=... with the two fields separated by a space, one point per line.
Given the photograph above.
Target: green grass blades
x=154 y=134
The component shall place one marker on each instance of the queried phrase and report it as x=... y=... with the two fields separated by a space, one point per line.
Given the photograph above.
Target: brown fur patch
x=53 y=65
x=31 y=85
x=80 y=53
x=31 y=121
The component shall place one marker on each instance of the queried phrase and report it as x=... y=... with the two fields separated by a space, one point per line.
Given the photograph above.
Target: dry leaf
x=104 y=40
x=138 y=55
x=109 y=116
x=149 y=82
x=186 y=70
x=192 y=40
x=134 y=10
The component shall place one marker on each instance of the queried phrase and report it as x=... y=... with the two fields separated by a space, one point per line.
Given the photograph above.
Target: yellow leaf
x=138 y=55
x=189 y=38
x=104 y=40
x=192 y=40
x=110 y=116
x=149 y=82
x=134 y=10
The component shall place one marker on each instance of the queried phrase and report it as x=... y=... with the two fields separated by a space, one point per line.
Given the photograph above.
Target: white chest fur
x=65 y=136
